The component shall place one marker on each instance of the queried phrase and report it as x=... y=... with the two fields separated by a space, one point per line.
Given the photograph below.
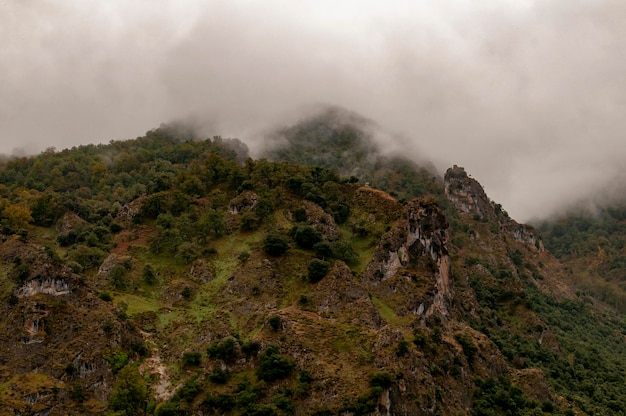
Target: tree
x=45 y=211
x=16 y=216
x=306 y=236
x=129 y=392
x=317 y=270
x=149 y=274
x=323 y=250
x=189 y=251
x=192 y=359
x=273 y=366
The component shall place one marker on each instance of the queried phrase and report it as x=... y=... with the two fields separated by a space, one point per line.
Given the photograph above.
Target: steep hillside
x=593 y=247
x=166 y=276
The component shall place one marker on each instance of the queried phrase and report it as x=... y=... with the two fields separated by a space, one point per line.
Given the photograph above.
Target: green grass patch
x=385 y=311
x=226 y=262
x=364 y=247
x=6 y=285
x=136 y=304
x=167 y=318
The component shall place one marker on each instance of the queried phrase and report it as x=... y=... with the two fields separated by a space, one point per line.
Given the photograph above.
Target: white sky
x=529 y=96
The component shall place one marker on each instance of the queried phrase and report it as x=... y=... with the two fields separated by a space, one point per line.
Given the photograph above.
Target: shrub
x=323 y=250
x=12 y=299
x=436 y=335
x=249 y=222
x=243 y=256
x=306 y=236
x=222 y=402
x=170 y=409
x=273 y=366
x=340 y=212
x=219 y=376
x=275 y=322
x=78 y=393
x=187 y=292
x=283 y=402
x=87 y=257
x=418 y=338
x=246 y=399
x=117 y=360
x=344 y=251
x=192 y=359
x=403 y=348
x=190 y=389
x=382 y=380
x=275 y=245
x=469 y=349
x=251 y=348
x=299 y=215
x=70 y=369
x=317 y=270
x=224 y=350
x=118 y=277
x=149 y=274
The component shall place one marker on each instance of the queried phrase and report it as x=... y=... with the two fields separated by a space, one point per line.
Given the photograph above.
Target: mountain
x=170 y=275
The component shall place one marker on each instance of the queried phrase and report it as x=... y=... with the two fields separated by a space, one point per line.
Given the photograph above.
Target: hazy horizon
x=528 y=96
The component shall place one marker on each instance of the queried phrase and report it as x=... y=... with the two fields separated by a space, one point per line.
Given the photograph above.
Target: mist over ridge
x=527 y=96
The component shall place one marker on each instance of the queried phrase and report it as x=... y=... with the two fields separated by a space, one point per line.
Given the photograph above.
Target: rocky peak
x=469 y=197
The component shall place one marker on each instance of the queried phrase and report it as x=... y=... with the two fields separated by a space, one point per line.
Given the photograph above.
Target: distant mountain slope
x=593 y=246
x=338 y=139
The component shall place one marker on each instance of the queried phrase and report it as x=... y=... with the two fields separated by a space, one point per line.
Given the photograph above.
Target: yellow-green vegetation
x=170 y=317
x=385 y=311
x=136 y=304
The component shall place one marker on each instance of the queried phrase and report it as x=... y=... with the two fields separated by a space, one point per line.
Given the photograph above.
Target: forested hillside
x=174 y=275
x=593 y=246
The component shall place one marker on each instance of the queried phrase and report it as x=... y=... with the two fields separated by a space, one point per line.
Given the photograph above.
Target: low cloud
x=528 y=96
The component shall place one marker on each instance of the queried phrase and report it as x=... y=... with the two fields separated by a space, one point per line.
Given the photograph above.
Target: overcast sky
x=529 y=96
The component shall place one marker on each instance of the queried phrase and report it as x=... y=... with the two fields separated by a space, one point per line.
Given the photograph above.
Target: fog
x=528 y=96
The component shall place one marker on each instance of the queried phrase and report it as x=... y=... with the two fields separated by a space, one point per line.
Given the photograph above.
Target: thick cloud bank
x=528 y=96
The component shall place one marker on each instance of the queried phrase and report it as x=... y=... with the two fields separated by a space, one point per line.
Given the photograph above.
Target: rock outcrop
x=469 y=197
x=419 y=242
x=49 y=286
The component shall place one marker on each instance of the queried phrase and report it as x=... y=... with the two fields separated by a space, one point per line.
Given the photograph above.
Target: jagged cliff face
x=417 y=242
x=469 y=197
x=52 y=336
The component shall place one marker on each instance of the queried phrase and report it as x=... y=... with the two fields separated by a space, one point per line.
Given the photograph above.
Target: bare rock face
x=111 y=262
x=245 y=201
x=49 y=286
x=338 y=295
x=130 y=210
x=321 y=221
x=469 y=197
x=418 y=242
x=69 y=222
x=203 y=270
